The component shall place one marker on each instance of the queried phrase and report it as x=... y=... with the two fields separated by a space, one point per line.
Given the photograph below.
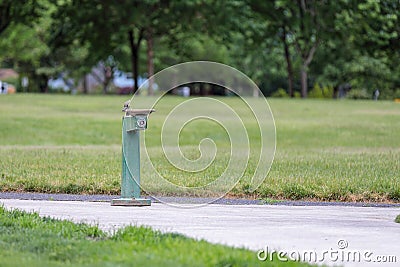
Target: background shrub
x=281 y=93
x=358 y=94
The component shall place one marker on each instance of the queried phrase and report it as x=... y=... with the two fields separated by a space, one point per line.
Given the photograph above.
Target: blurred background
x=290 y=48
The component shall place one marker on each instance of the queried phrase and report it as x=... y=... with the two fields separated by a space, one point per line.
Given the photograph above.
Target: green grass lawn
x=29 y=240
x=326 y=150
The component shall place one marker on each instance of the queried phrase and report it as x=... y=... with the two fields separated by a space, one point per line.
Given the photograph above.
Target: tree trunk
x=135 y=57
x=150 y=61
x=108 y=75
x=43 y=83
x=202 y=89
x=105 y=87
x=305 y=51
x=304 y=85
x=289 y=67
x=85 y=85
x=6 y=17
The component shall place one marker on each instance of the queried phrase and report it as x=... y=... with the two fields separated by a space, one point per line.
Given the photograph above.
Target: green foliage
x=370 y=73
x=25 y=44
x=397 y=94
x=318 y=92
x=11 y=80
x=386 y=94
x=327 y=91
x=334 y=42
x=397 y=220
x=199 y=46
x=358 y=94
x=280 y=93
x=19 y=12
x=378 y=20
x=365 y=51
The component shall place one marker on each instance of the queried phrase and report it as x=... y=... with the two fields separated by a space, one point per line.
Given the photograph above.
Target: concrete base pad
x=131 y=202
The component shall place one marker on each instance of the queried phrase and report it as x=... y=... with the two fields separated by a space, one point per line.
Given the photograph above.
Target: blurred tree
x=311 y=22
x=273 y=24
x=25 y=52
x=24 y=39
x=303 y=24
x=329 y=42
x=14 y=12
x=364 y=51
x=107 y=25
x=375 y=27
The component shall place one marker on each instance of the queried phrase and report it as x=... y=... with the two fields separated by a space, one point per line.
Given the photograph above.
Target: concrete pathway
x=349 y=236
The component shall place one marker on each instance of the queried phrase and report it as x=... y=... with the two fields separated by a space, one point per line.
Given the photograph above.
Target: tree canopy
x=294 y=47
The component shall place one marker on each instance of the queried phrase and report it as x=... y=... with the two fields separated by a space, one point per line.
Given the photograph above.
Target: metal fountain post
x=134 y=121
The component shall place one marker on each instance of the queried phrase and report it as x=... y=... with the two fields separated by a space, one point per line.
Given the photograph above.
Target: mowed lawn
x=326 y=150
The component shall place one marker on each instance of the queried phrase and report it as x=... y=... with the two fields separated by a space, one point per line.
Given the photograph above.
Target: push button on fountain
x=141 y=122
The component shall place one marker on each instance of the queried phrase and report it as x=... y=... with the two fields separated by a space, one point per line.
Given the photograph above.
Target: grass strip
x=26 y=239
